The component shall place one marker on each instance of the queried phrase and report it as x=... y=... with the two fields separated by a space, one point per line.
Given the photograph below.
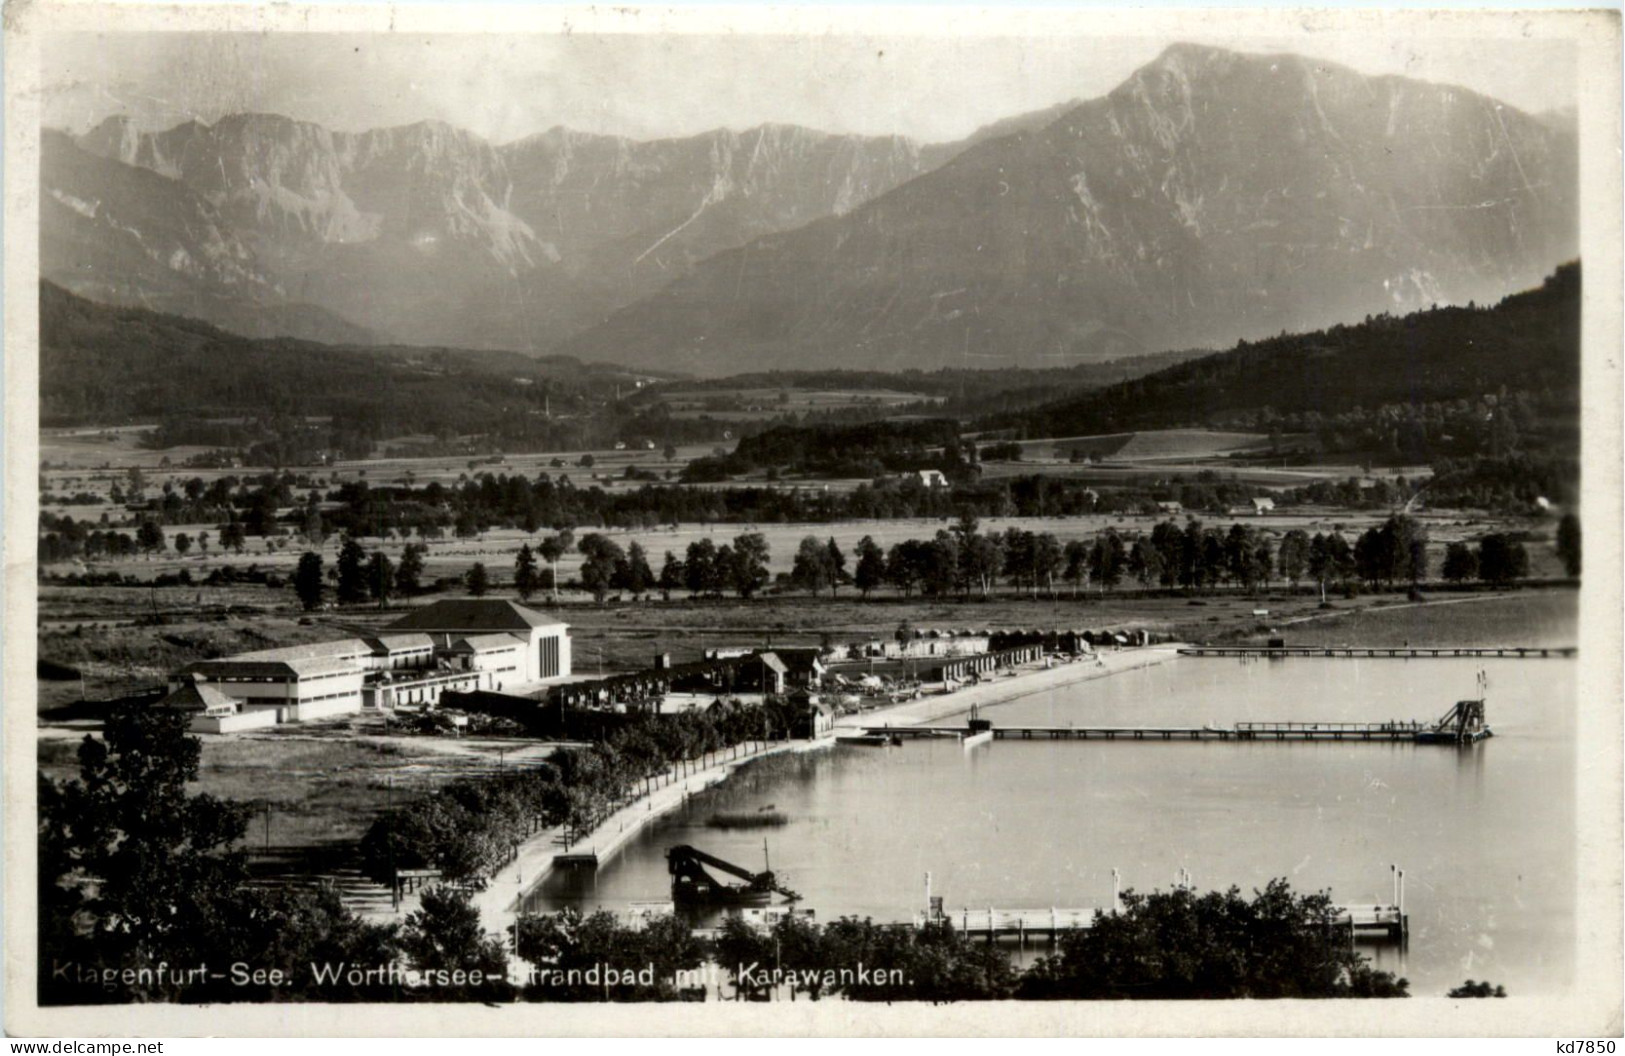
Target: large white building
x=545 y=642
x=296 y=683
x=459 y=644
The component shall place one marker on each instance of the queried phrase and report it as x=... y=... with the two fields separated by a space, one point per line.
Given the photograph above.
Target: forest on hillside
x=102 y=365
x=1449 y=382
x=253 y=399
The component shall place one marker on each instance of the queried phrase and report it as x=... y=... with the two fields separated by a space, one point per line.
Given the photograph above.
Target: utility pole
x=389 y=812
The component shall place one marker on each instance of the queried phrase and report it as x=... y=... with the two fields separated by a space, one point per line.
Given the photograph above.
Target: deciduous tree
x=871 y=568
x=1181 y=945
x=409 y=574
x=810 y=571
x=749 y=566
x=380 y=578
x=307 y=581
x=524 y=572
x=352 y=586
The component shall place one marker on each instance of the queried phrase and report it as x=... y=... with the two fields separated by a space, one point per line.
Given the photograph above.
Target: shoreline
x=1027 y=682
x=499 y=902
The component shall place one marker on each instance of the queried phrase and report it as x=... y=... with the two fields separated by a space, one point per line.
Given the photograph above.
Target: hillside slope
x=101 y=364
x=123 y=235
x=1529 y=342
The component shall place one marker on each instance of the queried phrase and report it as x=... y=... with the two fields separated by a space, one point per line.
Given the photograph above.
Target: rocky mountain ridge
x=1213 y=196
x=428 y=233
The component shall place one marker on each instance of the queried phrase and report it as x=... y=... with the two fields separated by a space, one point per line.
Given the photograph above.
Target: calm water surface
x=1486 y=835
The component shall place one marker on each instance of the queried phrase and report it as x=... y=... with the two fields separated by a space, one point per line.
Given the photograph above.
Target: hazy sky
x=508 y=86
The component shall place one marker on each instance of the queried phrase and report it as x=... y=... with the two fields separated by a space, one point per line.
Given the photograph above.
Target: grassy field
x=1523 y=618
x=629 y=636
x=120 y=653
x=92 y=464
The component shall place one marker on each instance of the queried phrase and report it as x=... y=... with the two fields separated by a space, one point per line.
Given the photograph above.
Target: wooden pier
x=1362 y=922
x=1406 y=733
x=1462 y=725
x=1516 y=652
x=1379 y=923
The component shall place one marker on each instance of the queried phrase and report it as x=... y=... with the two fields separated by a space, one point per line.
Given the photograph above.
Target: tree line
x=963 y=560
x=467 y=829
x=272 y=507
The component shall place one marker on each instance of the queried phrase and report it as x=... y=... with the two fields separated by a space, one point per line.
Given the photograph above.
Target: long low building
x=461 y=644
x=297 y=683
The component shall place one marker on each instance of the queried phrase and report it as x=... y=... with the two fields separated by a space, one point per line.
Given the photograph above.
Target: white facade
x=397 y=652
x=460 y=645
x=296 y=684
x=417 y=690
x=545 y=643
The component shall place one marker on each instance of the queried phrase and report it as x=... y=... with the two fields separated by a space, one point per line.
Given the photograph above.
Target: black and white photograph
x=812 y=520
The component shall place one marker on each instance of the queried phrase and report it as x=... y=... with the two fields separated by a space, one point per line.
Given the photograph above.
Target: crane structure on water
x=692 y=884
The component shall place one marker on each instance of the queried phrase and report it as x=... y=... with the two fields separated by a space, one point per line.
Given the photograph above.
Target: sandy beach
x=1028 y=680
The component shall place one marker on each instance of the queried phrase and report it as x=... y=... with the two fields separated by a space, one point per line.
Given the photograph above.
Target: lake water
x=1486 y=835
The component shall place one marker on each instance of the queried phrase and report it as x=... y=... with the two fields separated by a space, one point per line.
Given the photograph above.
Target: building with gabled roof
x=395 y=652
x=212 y=711
x=342 y=649
x=545 y=641
x=462 y=644
x=290 y=683
x=804 y=665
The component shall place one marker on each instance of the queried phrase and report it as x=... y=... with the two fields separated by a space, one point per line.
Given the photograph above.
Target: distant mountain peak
x=1213 y=196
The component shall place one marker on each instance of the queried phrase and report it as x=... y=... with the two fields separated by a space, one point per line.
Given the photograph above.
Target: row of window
x=275 y=679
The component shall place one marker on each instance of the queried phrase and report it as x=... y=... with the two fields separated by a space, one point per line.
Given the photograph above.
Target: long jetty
x=1379 y=922
x=1372 y=922
x=1462 y=725
x=1384 y=652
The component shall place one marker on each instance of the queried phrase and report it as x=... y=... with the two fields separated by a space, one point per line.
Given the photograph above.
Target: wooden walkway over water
x=1386 y=923
x=1516 y=652
x=1285 y=732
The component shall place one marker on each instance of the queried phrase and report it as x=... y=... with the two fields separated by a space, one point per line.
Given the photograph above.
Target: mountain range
x=427 y=233
x=1213 y=196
